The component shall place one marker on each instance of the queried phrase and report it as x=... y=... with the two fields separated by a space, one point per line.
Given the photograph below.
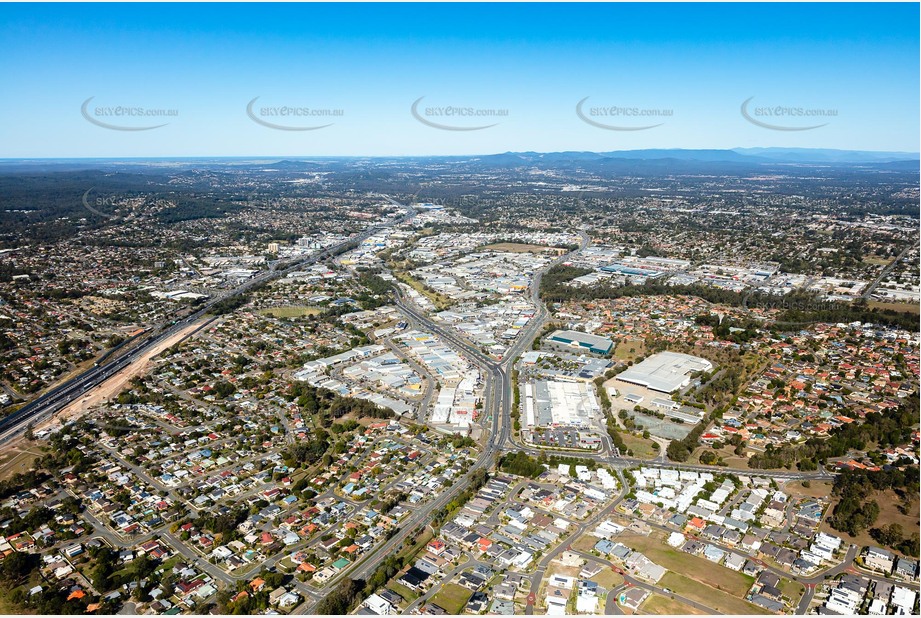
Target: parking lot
x=559 y=437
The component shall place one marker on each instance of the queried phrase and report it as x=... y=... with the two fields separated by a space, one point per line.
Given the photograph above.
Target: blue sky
x=693 y=65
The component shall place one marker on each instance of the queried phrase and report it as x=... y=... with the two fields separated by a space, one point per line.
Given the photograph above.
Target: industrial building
x=665 y=372
x=632 y=271
x=457 y=405
x=559 y=404
x=583 y=341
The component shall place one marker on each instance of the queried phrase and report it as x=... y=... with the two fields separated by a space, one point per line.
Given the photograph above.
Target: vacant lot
x=695 y=567
x=585 y=543
x=714 y=599
x=793 y=590
x=904 y=307
x=609 y=579
x=641 y=447
x=291 y=311
x=515 y=247
x=889 y=513
x=659 y=605
x=9 y=609
x=558 y=568
x=452 y=598
x=629 y=349
x=816 y=489
x=17 y=460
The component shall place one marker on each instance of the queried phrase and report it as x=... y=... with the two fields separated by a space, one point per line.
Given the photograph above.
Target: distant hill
x=680 y=154
x=820 y=155
x=734 y=155
x=653 y=160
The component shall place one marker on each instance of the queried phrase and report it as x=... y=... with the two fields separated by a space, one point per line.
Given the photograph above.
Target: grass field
x=623 y=349
x=714 y=599
x=792 y=589
x=452 y=598
x=658 y=605
x=641 y=447
x=515 y=247
x=609 y=579
x=15 y=462
x=291 y=311
x=8 y=609
x=816 y=489
x=889 y=513
x=903 y=307
x=701 y=569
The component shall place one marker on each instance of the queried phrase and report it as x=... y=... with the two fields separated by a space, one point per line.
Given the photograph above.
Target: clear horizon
x=354 y=80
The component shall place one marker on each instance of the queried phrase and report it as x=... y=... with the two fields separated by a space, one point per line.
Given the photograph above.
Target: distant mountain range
x=733 y=155
x=642 y=162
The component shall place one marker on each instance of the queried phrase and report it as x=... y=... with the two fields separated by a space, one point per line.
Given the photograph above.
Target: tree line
x=553 y=288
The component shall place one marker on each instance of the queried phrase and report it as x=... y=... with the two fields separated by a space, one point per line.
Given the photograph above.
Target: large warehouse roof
x=601 y=345
x=665 y=372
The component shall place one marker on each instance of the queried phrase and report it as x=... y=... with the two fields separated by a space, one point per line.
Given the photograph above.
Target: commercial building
x=665 y=372
x=583 y=341
x=559 y=404
x=632 y=271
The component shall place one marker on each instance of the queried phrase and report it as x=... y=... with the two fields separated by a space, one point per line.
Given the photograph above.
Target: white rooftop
x=665 y=372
